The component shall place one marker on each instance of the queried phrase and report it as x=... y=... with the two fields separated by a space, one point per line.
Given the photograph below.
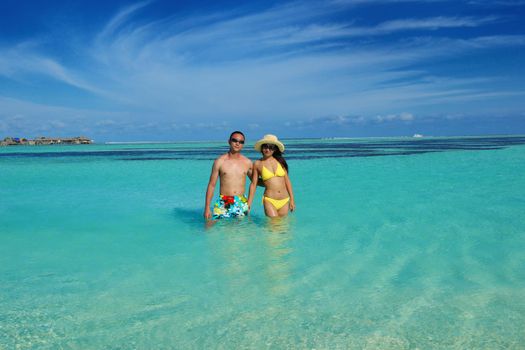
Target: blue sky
x=164 y=70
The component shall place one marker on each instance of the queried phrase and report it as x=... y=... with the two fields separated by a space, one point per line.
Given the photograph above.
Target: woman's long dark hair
x=279 y=156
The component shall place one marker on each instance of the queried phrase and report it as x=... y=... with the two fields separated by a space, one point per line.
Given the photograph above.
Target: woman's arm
x=288 y=184
x=253 y=184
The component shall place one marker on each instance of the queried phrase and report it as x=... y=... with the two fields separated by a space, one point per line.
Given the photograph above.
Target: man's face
x=236 y=142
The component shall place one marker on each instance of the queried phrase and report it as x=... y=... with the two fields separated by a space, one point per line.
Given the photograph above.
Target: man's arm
x=211 y=188
x=249 y=172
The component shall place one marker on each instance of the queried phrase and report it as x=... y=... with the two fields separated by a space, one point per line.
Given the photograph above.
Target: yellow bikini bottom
x=277 y=203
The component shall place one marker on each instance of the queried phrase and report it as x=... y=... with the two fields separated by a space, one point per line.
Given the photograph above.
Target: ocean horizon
x=396 y=243
x=109 y=142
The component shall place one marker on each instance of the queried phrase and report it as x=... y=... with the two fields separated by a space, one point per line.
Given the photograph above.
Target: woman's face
x=267 y=149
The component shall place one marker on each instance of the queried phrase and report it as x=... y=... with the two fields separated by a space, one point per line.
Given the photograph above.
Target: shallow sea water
x=395 y=244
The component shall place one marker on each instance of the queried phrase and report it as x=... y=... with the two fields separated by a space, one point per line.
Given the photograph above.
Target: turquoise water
x=395 y=244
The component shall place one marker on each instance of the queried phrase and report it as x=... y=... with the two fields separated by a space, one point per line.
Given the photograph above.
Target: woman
x=272 y=168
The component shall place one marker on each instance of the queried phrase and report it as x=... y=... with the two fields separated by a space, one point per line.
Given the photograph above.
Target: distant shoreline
x=44 y=141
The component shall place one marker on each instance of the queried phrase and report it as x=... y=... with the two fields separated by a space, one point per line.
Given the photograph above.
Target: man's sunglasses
x=269 y=146
x=233 y=139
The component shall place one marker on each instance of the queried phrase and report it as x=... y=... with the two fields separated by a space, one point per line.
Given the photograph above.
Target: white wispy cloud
x=24 y=59
x=371 y=2
x=349 y=120
x=434 y=23
x=495 y=3
x=314 y=33
x=121 y=18
x=405 y=117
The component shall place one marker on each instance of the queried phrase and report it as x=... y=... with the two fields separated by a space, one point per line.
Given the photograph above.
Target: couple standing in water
x=232 y=168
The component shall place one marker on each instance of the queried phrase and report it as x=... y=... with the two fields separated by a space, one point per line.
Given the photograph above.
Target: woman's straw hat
x=269 y=139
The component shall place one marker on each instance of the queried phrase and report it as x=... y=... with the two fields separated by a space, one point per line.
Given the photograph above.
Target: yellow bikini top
x=267 y=174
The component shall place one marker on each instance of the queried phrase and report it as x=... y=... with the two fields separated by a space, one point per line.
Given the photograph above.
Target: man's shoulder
x=219 y=160
x=222 y=157
x=246 y=159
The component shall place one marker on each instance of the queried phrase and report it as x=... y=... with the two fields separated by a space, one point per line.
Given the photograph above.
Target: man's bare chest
x=233 y=170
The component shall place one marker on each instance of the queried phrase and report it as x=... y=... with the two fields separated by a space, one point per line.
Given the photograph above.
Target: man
x=231 y=169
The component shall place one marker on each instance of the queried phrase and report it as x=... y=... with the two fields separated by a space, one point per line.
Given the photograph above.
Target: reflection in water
x=251 y=255
x=278 y=240
x=233 y=252
x=278 y=224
